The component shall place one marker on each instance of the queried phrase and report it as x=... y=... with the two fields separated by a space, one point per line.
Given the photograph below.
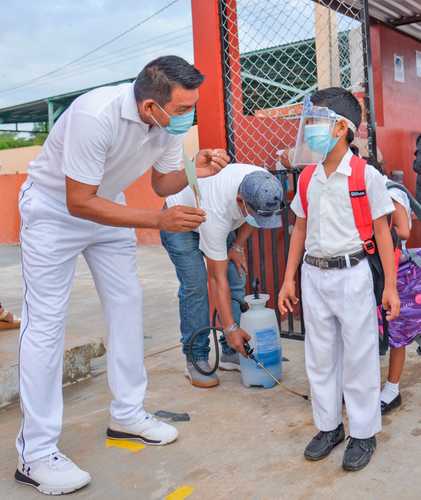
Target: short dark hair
x=342 y=102
x=373 y=162
x=355 y=149
x=159 y=77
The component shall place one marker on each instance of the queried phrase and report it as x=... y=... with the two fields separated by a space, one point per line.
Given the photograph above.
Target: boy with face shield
x=339 y=305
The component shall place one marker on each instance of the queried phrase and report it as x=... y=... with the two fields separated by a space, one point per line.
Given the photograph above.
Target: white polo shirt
x=101 y=140
x=331 y=230
x=219 y=200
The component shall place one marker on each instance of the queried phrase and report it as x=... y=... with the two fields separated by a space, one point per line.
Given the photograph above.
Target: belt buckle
x=324 y=264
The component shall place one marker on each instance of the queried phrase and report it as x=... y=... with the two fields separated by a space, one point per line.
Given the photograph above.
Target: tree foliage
x=10 y=140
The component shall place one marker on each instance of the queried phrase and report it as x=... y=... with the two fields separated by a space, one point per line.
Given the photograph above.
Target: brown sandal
x=8 y=321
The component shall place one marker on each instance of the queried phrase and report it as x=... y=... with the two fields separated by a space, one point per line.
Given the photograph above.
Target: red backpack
x=359 y=199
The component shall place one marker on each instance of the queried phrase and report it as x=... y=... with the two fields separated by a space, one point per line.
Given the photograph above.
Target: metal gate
x=275 y=53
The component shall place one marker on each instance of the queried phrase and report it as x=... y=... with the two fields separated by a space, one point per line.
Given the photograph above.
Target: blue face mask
x=179 y=124
x=319 y=139
x=251 y=221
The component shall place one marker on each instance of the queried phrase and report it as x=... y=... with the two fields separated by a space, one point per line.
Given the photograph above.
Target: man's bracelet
x=238 y=249
x=231 y=329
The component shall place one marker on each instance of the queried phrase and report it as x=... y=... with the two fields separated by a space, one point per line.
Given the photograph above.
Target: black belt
x=335 y=262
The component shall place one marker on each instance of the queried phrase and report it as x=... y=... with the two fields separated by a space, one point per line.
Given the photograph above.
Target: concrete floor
x=85 y=320
x=241 y=444
x=85 y=330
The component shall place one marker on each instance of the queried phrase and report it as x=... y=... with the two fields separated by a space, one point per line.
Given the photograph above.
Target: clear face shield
x=315 y=134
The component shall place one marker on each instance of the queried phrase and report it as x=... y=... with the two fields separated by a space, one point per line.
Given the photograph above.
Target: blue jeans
x=189 y=262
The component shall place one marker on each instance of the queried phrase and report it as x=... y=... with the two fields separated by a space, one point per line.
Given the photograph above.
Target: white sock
x=390 y=392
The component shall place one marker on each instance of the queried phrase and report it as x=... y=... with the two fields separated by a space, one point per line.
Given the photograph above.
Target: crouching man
x=239 y=197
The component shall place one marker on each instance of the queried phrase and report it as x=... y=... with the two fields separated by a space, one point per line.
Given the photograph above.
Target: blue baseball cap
x=263 y=193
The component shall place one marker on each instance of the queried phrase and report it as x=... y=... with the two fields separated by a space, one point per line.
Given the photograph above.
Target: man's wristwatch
x=231 y=329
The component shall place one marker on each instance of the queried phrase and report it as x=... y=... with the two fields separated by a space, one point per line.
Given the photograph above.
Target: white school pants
x=51 y=241
x=342 y=347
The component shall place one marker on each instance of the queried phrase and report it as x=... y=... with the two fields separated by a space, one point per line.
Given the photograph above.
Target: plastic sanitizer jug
x=261 y=324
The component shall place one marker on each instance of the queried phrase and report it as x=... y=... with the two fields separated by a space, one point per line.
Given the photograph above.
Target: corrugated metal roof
x=403 y=15
x=37 y=111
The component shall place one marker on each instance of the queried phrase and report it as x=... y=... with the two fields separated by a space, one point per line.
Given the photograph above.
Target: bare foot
x=8 y=318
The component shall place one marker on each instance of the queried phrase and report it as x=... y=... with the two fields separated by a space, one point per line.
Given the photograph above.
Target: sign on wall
x=418 y=63
x=399 y=68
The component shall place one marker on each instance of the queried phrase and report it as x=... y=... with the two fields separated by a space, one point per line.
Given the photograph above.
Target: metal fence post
x=369 y=83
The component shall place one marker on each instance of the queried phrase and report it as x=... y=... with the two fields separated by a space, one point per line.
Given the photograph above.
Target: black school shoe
x=358 y=453
x=387 y=407
x=323 y=443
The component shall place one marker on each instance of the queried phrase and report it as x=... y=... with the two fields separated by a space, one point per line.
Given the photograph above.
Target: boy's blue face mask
x=179 y=124
x=319 y=139
x=315 y=138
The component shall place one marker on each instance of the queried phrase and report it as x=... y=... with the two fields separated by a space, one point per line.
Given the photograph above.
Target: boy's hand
x=287 y=297
x=391 y=303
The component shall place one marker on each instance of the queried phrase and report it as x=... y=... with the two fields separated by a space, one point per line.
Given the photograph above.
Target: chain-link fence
x=274 y=54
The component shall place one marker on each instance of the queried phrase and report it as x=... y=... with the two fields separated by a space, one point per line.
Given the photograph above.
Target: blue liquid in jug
x=269 y=352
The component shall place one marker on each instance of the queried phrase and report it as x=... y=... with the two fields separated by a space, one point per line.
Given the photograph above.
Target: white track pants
x=51 y=241
x=342 y=347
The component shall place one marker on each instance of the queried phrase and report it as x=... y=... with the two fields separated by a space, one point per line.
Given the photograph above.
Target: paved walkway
x=86 y=331
x=241 y=444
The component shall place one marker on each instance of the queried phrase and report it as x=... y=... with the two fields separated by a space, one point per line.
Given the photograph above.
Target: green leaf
x=190 y=168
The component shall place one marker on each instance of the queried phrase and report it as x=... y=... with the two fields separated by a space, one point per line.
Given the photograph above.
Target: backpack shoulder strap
x=303 y=182
x=414 y=203
x=360 y=203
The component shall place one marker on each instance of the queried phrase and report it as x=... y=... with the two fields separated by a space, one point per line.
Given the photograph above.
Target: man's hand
x=287 y=297
x=391 y=303
x=285 y=158
x=239 y=259
x=237 y=339
x=181 y=219
x=211 y=161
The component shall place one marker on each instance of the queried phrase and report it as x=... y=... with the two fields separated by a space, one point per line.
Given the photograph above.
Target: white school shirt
x=331 y=229
x=401 y=197
x=219 y=201
x=100 y=140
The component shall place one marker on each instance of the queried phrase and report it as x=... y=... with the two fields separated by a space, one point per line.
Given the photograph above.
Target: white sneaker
x=54 y=474
x=149 y=431
x=197 y=379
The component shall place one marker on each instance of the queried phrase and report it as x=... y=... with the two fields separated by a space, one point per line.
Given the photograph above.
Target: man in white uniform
x=239 y=194
x=72 y=203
